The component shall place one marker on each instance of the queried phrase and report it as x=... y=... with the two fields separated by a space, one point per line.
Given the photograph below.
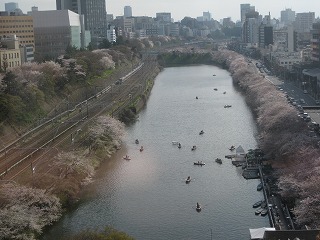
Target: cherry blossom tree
x=106 y=131
x=26 y=211
x=283 y=136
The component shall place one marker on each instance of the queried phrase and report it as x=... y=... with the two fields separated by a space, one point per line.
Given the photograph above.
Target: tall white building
x=127 y=11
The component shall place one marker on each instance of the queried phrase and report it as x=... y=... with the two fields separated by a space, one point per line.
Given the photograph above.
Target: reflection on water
x=147 y=197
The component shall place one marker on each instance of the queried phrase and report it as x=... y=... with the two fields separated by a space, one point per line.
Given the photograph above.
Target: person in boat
x=188 y=178
x=179 y=145
x=137 y=141
x=201 y=132
x=198 y=206
x=141 y=149
x=196 y=97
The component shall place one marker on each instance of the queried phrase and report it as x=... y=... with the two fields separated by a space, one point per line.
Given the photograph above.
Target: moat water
x=147 y=197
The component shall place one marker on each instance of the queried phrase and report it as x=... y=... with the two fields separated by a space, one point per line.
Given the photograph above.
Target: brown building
x=22 y=27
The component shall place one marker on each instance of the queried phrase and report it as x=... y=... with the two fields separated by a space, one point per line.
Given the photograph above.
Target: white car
x=305 y=91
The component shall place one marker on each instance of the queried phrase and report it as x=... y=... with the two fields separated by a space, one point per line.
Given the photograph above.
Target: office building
x=127 y=11
x=56 y=30
x=265 y=35
x=22 y=28
x=95 y=16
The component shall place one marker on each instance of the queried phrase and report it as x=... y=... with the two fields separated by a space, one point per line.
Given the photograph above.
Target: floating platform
x=251 y=173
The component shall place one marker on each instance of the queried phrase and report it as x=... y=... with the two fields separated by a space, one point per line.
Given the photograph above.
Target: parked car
x=317 y=102
x=305 y=91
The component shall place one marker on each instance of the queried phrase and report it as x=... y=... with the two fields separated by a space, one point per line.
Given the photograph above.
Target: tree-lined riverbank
x=282 y=135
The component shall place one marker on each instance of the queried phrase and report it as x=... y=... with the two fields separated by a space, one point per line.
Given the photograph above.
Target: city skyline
x=181 y=8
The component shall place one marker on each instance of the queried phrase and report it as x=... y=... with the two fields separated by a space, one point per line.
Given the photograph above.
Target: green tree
x=105 y=44
x=12 y=85
x=71 y=50
x=4 y=108
x=120 y=40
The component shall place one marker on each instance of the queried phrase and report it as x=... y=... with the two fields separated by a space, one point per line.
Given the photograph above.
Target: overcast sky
x=192 y=8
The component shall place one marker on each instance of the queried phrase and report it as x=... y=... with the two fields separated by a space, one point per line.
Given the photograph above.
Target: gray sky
x=192 y=8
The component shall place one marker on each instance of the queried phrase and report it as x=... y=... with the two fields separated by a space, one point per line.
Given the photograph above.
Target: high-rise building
x=250 y=28
x=10 y=6
x=244 y=9
x=94 y=12
x=127 y=11
x=288 y=16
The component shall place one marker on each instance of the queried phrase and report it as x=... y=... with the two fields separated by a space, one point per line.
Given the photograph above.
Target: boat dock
x=253 y=167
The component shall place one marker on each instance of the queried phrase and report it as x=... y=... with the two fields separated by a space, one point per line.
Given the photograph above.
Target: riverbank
x=70 y=166
x=283 y=137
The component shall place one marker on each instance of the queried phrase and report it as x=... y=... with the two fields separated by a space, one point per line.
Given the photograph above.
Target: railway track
x=22 y=155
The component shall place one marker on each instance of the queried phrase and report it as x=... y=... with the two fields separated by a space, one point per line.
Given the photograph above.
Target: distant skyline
x=191 y=8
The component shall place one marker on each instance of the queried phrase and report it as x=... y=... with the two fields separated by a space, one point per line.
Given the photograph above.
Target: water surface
x=147 y=197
